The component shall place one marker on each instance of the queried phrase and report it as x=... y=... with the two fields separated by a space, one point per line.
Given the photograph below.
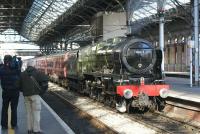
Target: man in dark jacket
x=10 y=93
x=30 y=81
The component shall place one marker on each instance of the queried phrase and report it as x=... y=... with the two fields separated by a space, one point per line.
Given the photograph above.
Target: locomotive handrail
x=159 y=81
x=119 y=81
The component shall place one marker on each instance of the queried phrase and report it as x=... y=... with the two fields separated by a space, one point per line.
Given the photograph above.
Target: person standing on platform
x=10 y=93
x=31 y=81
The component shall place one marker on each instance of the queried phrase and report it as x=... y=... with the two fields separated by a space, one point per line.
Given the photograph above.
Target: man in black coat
x=10 y=94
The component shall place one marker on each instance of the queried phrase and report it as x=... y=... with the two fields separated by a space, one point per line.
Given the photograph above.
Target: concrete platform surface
x=180 y=88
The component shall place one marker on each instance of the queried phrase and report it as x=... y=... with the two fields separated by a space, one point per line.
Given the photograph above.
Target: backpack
x=42 y=83
x=44 y=87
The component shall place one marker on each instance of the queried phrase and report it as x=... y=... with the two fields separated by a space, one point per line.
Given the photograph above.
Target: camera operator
x=16 y=63
x=9 y=74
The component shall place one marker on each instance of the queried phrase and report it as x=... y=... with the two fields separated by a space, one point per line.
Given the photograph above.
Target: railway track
x=157 y=122
x=164 y=124
x=78 y=120
x=94 y=121
x=167 y=123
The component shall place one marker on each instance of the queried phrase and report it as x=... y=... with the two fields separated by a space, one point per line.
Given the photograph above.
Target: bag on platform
x=42 y=87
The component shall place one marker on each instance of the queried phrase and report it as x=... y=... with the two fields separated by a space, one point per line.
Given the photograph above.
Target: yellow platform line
x=10 y=130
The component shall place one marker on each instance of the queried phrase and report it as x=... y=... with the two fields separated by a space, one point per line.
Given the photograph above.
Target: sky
x=10 y=40
x=4 y=46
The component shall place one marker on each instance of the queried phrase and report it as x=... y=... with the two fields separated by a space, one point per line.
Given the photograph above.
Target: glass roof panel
x=144 y=11
x=42 y=14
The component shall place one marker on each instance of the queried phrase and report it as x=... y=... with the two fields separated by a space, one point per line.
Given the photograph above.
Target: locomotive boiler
x=125 y=72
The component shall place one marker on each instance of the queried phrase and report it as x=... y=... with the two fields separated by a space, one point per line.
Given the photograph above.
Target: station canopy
x=42 y=14
x=13 y=13
x=146 y=8
x=143 y=12
x=33 y=17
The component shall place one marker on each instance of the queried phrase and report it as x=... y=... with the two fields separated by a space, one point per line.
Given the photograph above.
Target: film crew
x=33 y=83
x=10 y=93
x=16 y=62
x=19 y=62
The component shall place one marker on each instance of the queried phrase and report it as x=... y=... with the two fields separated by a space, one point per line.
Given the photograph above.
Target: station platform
x=50 y=121
x=177 y=74
x=180 y=88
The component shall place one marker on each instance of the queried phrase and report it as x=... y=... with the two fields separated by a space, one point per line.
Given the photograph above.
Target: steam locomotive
x=125 y=72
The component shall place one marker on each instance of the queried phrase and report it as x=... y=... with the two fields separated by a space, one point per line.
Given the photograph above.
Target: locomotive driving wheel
x=92 y=94
x=161 y=104
x=128 y=107
x=153 y=105
x=100 y=96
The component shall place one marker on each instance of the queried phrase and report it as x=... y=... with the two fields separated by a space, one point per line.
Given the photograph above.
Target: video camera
x=16 y=63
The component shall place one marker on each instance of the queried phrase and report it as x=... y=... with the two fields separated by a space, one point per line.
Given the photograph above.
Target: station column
x=196 y=40
x=160 y=9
